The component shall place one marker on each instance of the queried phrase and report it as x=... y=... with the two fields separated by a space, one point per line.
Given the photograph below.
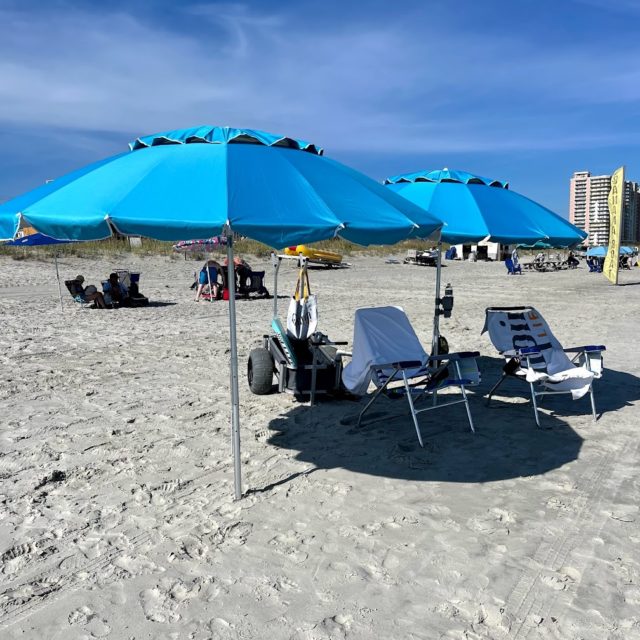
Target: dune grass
x=149 y=247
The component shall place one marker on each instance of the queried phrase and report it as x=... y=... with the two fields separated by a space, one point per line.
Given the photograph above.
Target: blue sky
x=527 y=91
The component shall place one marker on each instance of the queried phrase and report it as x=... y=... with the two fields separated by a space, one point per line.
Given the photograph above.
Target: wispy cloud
x=388 y=81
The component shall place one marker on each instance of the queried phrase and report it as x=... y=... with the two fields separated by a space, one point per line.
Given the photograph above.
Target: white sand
x=512 y=532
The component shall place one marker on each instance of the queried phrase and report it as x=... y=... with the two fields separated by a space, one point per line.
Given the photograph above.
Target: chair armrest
x=525 y=351
x=404 y=364
x=458 y=355
x=587 y=348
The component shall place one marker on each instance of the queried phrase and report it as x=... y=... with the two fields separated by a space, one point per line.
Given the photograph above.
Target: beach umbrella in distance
x=208 y=181
x=474 y=208
x=542 y=246
x=601 y=252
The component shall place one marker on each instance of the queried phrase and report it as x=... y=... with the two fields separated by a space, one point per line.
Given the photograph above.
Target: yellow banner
x=616 y=196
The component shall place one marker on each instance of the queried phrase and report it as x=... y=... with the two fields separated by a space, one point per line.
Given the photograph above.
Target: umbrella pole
x=206 y=265
x=235 y=398
x=275 y=261
x=59 y=287
x=436 y=313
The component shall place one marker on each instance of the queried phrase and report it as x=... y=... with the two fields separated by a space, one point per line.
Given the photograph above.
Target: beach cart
x=304 y=365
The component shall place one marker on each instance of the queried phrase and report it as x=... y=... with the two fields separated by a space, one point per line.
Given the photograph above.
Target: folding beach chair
x=386 y=349
x=75 y=289
x=534 y=355
x=247 y=282
x=512 y=269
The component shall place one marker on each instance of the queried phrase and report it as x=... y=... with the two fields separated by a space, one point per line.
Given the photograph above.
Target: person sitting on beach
x=572 y=261
x=242 y=270
x=208 y=276
x=89 y=293
x=114 y=291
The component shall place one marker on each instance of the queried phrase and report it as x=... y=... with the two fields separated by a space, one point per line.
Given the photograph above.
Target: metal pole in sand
x=59 y=287
x=235 y=396
x=436 y=314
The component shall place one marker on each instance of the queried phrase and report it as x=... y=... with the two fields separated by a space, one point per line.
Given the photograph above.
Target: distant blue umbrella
x=201 y=182
x=601 y=252
x=536 y=245
x=474 y=208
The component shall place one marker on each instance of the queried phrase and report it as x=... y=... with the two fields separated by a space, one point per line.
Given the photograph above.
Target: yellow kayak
x=314 y=255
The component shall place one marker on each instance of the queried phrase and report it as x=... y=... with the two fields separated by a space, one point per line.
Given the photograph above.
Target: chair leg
x=535 y=404
x=593 y=403
x=375 y=395
x=413 y=411
x=495 y=387
x=464 y=395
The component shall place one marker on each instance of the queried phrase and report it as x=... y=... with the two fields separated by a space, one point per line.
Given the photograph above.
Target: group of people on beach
x=208 y=276
x=114 y=293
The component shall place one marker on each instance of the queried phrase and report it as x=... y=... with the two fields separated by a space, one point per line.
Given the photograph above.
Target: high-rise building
x=589 y=207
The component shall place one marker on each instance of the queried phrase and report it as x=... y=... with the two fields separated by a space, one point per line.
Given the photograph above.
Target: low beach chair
x=595 y=265
x=534 y=355
x=130 y=280
x=75 y=289
x=247 y=282
x=512 y=269
x=386 y=350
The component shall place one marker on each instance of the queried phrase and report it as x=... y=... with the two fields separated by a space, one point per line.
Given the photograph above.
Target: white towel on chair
x=381 y=336
x=577 y=380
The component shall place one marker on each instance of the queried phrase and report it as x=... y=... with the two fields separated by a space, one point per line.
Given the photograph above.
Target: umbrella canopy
x=476 y=208
x=197 y=183
x=537 y=245
x=601 y=252
x=35 y=240
x=193 y=183
x=200 y=246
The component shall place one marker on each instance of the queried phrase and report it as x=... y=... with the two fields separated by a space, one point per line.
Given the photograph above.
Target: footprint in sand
x=18 y=556
x=562 y=579
x=288 y=544
x=161 y=603
x=234 y=535
x=91 y=622
x=493 y=521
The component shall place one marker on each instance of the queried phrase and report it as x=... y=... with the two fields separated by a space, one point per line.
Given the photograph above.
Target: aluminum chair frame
x=592 y=362
x=430 y=375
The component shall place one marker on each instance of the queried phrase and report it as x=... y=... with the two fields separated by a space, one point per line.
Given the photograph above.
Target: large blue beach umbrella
x=474 y=208
x=205 y=181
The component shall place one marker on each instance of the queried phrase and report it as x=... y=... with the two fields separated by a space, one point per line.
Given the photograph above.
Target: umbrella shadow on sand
x=507 y=444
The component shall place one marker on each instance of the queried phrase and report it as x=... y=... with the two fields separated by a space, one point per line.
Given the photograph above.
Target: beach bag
x=302 y=317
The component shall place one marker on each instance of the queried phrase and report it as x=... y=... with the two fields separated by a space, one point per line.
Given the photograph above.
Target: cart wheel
x=260 y=371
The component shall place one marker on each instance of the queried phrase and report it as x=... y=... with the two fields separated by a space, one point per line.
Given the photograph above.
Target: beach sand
x=117 y=517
